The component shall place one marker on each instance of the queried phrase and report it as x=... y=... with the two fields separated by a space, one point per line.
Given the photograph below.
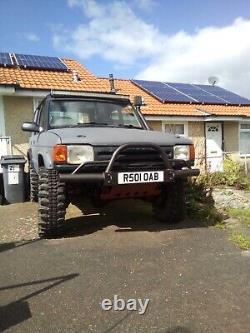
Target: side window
x=42 y=116
x=36 y=115
x=39 y=116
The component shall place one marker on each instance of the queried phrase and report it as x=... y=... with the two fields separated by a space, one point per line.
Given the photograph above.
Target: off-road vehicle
x=98 y=148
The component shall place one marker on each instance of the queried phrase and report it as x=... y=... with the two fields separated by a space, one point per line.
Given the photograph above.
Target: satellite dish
x=213 y=80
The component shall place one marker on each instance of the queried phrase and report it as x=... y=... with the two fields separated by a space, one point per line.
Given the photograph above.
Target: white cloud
x=30 y=36
x=114 y=32
x=224 y=52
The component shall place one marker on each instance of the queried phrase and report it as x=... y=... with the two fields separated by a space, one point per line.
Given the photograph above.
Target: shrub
x=233 y=175
x=200 y=203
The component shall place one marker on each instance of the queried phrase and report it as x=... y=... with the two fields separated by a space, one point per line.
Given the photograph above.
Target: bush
x=200 y=203
x=233 y=175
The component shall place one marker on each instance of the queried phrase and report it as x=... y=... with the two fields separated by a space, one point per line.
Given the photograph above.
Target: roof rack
x=61 y=93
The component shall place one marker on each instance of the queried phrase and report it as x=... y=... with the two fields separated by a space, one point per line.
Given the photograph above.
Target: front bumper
x=110 y=177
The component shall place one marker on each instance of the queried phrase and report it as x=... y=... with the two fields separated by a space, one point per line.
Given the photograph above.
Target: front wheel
x=170 y=206
x=33 y=184
x=52 y=202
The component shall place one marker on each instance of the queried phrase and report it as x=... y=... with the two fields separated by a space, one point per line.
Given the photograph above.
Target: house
x=217 y=127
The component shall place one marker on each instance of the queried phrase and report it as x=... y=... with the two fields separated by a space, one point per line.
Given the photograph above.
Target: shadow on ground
x=16 y=312
x=127 y=216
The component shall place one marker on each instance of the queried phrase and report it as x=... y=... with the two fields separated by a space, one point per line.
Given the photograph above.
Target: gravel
x=231 y=198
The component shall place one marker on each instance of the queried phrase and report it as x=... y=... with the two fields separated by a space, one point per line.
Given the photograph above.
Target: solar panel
x=5 y=59
x=197 y=93
x=226 y=95
x=162 y=91
x=40 y=62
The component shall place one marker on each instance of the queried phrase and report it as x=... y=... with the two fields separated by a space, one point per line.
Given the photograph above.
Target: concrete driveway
x=195 y=279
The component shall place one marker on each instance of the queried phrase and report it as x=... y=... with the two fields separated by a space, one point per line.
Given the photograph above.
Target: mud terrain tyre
x=170 y=207
x=33 y=184
x=51 y=199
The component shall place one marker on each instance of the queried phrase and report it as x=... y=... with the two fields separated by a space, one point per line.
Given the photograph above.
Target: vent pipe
x=112 y=84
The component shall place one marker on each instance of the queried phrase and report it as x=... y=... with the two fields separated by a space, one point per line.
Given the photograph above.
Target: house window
x=174 y=128
x=245 y=139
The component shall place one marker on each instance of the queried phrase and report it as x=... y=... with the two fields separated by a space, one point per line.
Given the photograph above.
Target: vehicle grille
x=133 y=158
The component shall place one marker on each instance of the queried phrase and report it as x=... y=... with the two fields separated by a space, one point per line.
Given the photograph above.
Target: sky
x=172 y=40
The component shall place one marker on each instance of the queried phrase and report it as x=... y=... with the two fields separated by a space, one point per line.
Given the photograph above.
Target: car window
x=75 y=113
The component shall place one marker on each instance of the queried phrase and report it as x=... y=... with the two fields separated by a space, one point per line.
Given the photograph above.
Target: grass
x=243 y=241
x=221 y=225
x=242 y=214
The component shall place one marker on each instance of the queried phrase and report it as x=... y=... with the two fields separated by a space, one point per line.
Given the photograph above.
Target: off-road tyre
x=52 y=203
x=170 y=207
x=33 y=184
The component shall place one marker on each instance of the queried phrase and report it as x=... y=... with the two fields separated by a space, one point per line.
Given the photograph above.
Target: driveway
x=195 y=279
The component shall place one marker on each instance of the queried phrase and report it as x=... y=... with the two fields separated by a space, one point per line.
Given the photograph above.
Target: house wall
x=155 y=125
x=231 y=143
x=16 y=111
x=231 y=138
x=2 y=122
x=196 y=133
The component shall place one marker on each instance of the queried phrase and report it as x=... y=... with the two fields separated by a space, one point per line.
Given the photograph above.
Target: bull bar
x=109 y=177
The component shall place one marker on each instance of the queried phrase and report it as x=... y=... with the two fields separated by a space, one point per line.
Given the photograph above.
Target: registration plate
x=140 y=177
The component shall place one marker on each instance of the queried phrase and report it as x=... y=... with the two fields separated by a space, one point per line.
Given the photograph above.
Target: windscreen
x=91 y=113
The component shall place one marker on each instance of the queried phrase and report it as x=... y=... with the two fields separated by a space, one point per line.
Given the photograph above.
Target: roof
x=45 y=79
x=154 y=107
x=56 y=80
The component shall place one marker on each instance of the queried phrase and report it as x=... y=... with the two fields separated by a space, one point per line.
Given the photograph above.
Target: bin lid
x=12 y=159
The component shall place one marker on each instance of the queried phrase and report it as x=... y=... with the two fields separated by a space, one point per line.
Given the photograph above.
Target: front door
x=214 y=147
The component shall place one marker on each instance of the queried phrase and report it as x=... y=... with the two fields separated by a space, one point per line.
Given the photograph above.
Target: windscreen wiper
x=92 y=123
x=130 y=126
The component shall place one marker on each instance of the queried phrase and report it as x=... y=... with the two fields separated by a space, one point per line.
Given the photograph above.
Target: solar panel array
x=5 y=59
x=191 y=93
x=40 y=62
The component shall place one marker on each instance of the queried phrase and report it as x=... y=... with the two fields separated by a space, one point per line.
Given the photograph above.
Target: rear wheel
x=52 y=203
x=33 y=184
x=170 y=206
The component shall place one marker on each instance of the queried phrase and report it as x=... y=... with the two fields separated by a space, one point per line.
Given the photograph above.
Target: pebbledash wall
x=17 y=110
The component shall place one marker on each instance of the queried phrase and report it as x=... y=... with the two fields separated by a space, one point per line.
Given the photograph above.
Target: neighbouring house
x=217 y=120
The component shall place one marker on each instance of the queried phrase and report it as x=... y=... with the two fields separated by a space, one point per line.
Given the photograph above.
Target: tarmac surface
x=196 y=280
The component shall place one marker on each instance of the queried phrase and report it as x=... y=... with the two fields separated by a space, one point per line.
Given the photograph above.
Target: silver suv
x=98 y=147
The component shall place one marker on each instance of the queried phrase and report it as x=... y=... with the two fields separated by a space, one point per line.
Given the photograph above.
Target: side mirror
x=30 y=127
x=138 y=101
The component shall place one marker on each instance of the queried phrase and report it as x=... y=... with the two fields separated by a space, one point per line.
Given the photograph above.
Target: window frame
x=185 y=123
x=243 y=131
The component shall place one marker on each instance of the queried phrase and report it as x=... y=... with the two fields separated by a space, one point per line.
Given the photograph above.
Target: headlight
x=182 y=152
x=80 y=154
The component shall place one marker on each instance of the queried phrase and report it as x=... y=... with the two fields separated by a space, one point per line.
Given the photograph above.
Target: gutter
x=7 y=89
